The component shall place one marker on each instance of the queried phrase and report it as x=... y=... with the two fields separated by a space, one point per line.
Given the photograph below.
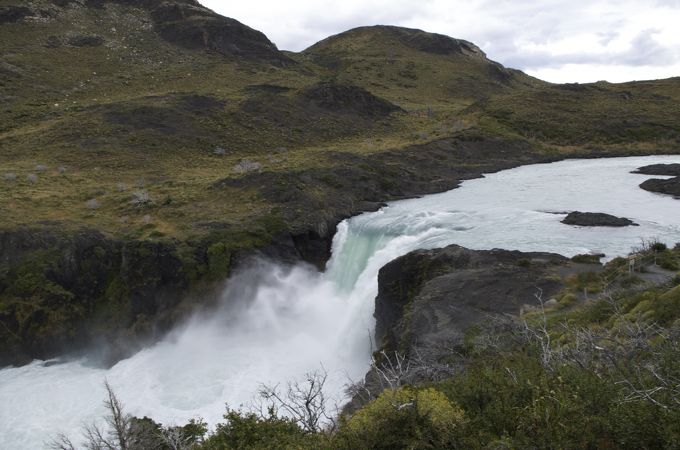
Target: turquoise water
x=276 y=323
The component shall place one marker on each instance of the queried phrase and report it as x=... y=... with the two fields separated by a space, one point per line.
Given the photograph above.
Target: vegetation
x=603 y=374
x=112 y=102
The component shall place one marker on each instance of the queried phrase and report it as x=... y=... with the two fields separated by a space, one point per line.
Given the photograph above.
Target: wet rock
x=660 y=169
x=589 y=219
x=668 y=187
x=431 y=297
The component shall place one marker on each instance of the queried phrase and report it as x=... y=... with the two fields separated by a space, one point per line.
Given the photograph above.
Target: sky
x=561 y=41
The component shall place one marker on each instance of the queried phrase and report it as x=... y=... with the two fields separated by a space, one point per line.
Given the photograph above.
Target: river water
x=275 y=324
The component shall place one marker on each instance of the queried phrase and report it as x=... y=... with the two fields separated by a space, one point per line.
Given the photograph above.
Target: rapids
x=276 y=323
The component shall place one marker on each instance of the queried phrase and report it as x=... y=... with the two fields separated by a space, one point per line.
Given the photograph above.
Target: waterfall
x=275 y=323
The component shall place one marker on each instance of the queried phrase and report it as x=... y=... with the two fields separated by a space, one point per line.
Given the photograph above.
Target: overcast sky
x=555 y=40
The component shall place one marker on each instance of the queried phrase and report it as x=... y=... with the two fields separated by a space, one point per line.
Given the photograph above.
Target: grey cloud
x=519 y=34
x=644 y=50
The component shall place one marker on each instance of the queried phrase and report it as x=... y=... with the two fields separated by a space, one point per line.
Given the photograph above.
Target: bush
x=246 y=166
x=248 y=431
x=524 y=262
x=568 y=300
x=407 y=418
x=658 y=247
x=141 y=198
x=586 y=259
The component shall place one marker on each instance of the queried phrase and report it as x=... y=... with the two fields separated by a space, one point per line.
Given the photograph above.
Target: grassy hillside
x=109 y=100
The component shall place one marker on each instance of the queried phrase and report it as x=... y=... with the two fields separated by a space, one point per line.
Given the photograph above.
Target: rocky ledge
x=431 y=297
x=589 y=219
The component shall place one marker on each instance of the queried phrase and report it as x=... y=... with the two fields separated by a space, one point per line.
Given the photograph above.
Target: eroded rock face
x=590 y=219
x=185 y=23
x=190 y=25
x=431 y=297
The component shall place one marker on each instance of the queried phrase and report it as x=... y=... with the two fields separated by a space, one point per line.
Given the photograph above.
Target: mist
x=274 y=323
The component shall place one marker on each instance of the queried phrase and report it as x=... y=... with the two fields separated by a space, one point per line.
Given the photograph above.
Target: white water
x=276 y=324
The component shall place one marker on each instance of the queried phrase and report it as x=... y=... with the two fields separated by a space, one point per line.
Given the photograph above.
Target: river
x=276 y=323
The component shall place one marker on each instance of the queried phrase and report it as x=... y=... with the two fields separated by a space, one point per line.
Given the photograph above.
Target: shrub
x=568 y=300
x=246 y=166
x=405 y=418
x=668 y=261
x=141 y=198
x=248 y=431
x=586 y=259
x=524 y=262
x=658 y=246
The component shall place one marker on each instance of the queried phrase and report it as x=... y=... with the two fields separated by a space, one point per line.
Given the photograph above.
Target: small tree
x=305 y=402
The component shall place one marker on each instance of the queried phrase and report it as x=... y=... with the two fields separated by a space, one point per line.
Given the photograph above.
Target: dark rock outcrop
x=11 y=14
x=190 y=25
x=668 y=187
x=431 y=297
x=187 y=24
x=85 y=40
x=589 y=219
x=438 y=44
x=338 y=97
x=660 y=169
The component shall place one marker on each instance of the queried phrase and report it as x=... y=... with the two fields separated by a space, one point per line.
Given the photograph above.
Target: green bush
x=248 y=431
x=407 y=418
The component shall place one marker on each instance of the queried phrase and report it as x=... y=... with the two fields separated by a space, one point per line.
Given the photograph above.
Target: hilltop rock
x=431 y=297
x=668 y=187
x=187 y=24
x=660 y=169
x=589 y=219
x=435 y=43
x=190 y=25
x=420 y=40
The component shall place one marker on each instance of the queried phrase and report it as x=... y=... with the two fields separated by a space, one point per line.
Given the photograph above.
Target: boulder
x=660 y=169
x=431 y=297
x=589 y=219
x=668 y=187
